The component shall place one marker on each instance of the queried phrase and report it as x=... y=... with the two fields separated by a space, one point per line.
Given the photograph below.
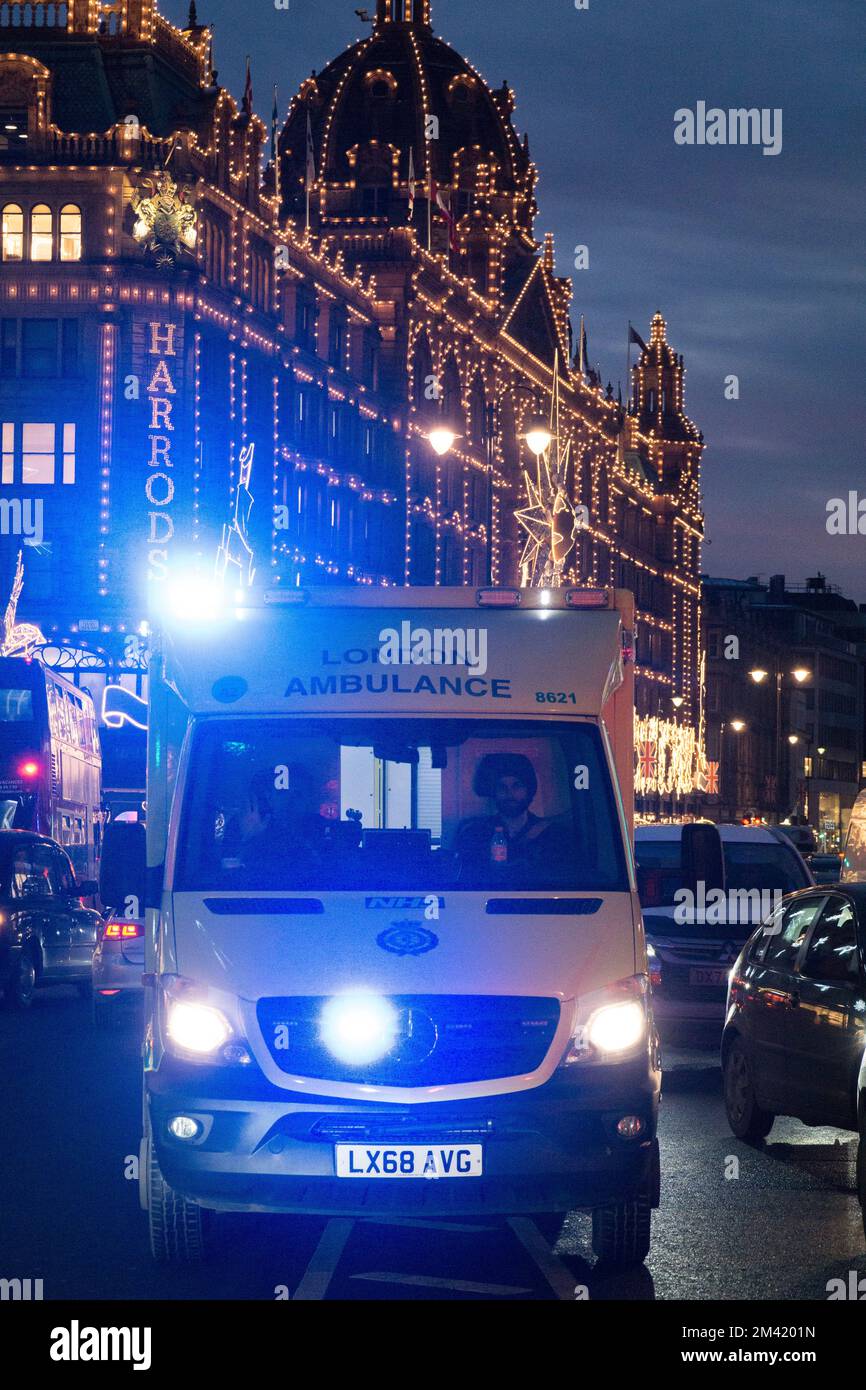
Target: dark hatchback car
x=47 y=935
x=795 y=1032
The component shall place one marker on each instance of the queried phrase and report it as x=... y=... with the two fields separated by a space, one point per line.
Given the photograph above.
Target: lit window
x=37 y=454
x=13 y=233
x=41 y=233
x=69 y=453
x=8 y=440
x=70 y=233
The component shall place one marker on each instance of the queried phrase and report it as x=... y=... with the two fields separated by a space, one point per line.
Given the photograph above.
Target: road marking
x=560 y=1279
x=424 y=1225
x=458 y=1285
x=326 y=1256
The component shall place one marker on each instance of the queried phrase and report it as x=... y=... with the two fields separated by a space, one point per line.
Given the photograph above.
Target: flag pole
x=628 y=362
x=276 y=147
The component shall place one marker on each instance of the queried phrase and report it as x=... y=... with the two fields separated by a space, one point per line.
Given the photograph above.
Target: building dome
x=398 y=90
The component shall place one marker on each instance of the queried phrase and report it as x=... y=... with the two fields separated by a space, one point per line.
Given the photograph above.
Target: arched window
x=13 y=233
x=70 y=233
x=41 y=233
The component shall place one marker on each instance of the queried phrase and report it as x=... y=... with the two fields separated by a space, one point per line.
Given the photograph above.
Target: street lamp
x=759 y=674
x=678 y=701
x=538 y=437
x=442 y=439
x=738 y=726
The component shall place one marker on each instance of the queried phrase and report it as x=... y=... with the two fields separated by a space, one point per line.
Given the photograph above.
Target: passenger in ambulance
x=514 y=835
x=249 y=833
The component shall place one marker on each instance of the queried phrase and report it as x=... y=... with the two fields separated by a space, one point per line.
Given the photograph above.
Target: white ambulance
x=394 y=953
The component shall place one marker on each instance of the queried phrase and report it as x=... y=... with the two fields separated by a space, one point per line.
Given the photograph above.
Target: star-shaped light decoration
x=18 y=639
x=550 y=520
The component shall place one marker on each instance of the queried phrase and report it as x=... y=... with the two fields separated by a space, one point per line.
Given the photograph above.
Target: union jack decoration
x=712 y=779
x=648 y=760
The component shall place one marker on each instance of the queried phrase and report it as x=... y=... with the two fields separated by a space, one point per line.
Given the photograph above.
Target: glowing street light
x=442 y=439
x=738 y=725
x=538 y=437
x=678 y=701
x=759 y=675
x=801 y=674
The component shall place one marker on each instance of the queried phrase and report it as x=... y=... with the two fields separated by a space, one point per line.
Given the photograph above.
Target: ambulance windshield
x=350 y=804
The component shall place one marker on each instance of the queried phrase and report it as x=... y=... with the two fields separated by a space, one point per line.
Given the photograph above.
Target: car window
x=32 y=875
x=772 y=867
x=832 y=953
x=61 y=874
x=786 y=937
x=659 y=871
x=768 y=931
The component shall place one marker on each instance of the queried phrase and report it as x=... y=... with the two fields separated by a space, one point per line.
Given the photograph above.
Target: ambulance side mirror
x=703 y=857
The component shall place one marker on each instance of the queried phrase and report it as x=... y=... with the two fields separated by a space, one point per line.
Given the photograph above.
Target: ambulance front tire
x=180 y=1231
x=622 y=1231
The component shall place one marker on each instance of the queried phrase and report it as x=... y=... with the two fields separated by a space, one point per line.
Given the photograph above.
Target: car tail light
x=29 y=769
x=122 y=931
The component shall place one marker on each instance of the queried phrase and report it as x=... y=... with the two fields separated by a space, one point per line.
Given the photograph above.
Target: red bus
x=50 y=761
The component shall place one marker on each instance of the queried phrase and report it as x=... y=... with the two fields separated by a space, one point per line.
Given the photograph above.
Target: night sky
x=755 y=261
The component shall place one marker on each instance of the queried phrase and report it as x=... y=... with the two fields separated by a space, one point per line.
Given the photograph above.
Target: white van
x=697 y=923
x=395 y=959
x=854 y=862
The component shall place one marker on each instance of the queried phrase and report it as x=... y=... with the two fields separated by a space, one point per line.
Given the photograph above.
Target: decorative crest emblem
x=165 y=223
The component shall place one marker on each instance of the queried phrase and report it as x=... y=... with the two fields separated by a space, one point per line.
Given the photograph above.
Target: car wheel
x=621 y=1232
x=745 y=1116
x=22 y=983
x=178 y=1227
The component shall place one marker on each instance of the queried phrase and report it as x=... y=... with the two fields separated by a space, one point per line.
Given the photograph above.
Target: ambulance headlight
x=358 y=1028
x=617 y=1027
x=612 y=1024
x=198 y=1028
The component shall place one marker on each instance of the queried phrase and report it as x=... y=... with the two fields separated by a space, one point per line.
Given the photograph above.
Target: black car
x=47 y=935
x=795 y=1033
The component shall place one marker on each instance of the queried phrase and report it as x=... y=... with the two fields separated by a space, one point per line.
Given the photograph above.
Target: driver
x=514 y=834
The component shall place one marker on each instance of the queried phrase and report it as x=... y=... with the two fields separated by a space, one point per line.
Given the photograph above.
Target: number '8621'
x=553 y=697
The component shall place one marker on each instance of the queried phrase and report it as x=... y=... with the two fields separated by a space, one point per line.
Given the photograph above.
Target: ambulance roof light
x=498 y=598
x=587 y=598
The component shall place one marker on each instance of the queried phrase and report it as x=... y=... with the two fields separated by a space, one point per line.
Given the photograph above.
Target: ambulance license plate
x=408 y=1161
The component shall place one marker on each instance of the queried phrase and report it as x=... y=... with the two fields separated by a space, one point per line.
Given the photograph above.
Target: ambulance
x=394 y=955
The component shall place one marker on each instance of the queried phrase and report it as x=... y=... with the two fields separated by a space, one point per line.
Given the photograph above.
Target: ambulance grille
x=442 y=1039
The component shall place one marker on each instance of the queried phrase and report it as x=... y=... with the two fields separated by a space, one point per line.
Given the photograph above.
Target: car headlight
x=198 y=1028
x=611 y=1024
x=358 y=1028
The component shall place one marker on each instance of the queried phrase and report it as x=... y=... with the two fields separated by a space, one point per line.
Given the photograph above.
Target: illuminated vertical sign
x=159 y=488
